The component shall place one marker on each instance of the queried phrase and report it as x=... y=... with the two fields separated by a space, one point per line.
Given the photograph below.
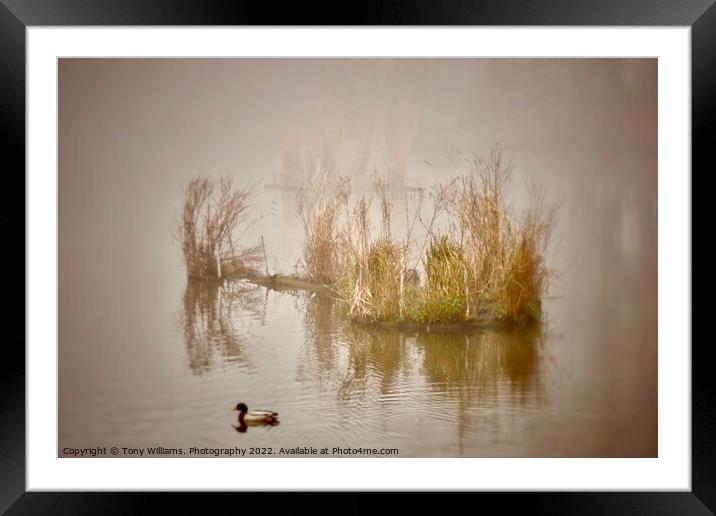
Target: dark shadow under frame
x=16 y=15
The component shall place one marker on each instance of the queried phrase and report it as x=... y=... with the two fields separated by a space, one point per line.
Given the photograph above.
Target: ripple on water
x=333 y=385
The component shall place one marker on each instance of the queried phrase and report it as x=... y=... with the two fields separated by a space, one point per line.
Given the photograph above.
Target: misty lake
x=148 y=358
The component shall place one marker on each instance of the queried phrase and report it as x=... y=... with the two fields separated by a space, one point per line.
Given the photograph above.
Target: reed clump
x=481 y=260
x=214 y=218
x=528 y=275
x=445 y=283
x=379 y=262
x=507 y=272
x=371 y=267
x=383 y=280
x=320 y=206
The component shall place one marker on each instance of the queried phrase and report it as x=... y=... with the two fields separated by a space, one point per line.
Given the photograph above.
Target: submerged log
x=281 y=282
x=483 y=321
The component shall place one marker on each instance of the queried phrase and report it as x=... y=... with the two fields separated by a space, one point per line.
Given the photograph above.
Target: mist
x=133 y=132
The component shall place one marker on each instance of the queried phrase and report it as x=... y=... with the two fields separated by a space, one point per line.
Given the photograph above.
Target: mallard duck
x=255 y=416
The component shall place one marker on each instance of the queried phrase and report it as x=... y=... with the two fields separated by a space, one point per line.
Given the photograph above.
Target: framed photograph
x=446 y=249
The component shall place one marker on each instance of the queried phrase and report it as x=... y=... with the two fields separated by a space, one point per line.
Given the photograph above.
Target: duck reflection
x=210 y=324
x=243 y=426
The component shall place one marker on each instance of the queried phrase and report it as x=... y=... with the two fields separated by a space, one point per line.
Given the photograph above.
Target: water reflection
x=373 y=353
x=454 y=364
x=345 y=356
x=478 y=364
x=243 y=426
x=478 y=393
x=477 y=374
x=586 y=129
x=322 y=320
x=212 y=322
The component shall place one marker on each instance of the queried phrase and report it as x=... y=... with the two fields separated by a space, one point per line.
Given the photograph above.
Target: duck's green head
x=241 y=407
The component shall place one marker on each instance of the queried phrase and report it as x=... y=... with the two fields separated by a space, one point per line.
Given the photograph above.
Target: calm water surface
x=165 y=366
x=147 y=359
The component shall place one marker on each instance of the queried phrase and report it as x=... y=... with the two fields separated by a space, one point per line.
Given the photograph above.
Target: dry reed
x=484 y=262
x=320 y=206
x=214 y=218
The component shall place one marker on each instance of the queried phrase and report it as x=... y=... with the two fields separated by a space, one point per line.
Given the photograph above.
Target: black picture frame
x=17 y=15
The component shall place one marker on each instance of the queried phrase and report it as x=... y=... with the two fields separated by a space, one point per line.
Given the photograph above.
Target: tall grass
x=481 y=260
x=504 y=253
x=214 y=218
x=320 y=206
x=373 y=268
x=528 y=276
x=383 y=279
x=445 y=282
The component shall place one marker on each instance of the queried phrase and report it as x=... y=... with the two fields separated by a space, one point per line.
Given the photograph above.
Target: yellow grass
x=486 y=263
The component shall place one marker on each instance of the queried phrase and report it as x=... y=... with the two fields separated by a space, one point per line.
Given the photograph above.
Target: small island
x=471 y=262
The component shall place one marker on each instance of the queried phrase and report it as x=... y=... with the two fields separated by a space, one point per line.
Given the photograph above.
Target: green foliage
x=383 y=272
x=445 y=285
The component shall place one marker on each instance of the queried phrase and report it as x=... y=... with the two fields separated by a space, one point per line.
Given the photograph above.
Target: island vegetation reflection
x=474 y=368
